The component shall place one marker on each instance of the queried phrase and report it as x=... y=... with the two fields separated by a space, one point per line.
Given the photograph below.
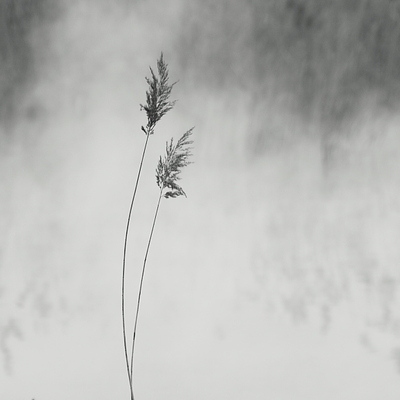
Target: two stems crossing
x=129 y=368
x=141 y=281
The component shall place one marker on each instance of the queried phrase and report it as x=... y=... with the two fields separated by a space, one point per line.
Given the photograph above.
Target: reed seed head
x=169 y=167
x=157 y=96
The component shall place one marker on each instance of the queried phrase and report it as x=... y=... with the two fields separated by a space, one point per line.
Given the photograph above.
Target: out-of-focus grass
x=327 y=53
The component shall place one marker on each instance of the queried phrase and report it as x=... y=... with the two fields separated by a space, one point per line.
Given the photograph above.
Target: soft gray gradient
x=277 y=278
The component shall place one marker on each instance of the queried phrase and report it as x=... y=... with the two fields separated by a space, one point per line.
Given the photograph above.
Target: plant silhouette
x=167 y=174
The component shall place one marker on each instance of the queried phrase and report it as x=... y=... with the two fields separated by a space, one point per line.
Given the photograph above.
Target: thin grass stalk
x=124 y=266
x=141 y=283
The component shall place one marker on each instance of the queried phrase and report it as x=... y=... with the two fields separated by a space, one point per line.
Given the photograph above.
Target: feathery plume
x=169 y=167
x=157 y=96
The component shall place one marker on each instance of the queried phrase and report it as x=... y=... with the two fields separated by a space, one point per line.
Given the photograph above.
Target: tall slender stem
x=141 y=283
x=124 y=266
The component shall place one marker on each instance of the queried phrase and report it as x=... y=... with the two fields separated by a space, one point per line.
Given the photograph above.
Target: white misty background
x=278 y=276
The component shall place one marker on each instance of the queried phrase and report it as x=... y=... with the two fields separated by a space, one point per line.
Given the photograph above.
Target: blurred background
x=278 y=277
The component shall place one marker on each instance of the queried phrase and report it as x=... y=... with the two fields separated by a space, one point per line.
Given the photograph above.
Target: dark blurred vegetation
x=332 y=52
x=17 y=20
x=326 y=55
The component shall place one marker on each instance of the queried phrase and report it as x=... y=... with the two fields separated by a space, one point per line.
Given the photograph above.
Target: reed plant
x=167 y=176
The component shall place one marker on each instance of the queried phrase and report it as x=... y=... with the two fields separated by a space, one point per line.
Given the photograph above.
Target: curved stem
x=124 y=266
x=141 y=283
